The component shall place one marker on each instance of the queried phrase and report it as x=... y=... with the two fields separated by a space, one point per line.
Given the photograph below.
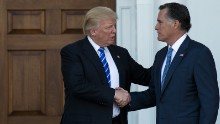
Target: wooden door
x=32 y=32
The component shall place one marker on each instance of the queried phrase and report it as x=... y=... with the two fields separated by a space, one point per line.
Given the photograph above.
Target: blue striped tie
x=105 y=64
x=166 y=68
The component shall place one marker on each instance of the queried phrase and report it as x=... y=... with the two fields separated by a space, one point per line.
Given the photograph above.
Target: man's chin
x=113 y=42
x=159 y=39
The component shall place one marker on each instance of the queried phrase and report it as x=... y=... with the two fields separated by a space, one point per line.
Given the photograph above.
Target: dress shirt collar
x=177 y=44
x=95 y=46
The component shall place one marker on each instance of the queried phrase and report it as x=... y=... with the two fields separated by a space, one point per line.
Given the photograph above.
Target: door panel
x=32 y=32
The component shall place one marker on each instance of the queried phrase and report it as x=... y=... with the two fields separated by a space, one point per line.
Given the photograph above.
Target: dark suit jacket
x=88 y=97
x=190 y=94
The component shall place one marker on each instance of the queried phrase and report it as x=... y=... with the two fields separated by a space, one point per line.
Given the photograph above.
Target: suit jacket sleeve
x=139 y=74
x=77 y=84
x=141 y=100
x=207 y=86
x=144 y=99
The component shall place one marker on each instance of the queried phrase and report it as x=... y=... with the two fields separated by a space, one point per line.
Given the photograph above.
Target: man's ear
x=93 y=32
x=177 y=24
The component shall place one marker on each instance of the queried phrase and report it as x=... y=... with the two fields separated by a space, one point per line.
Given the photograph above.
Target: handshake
x=122 y=97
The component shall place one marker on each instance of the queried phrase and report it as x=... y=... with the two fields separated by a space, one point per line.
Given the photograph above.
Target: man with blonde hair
x=93 y=68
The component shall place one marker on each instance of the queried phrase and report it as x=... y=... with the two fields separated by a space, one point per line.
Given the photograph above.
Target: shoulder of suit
x=115 y=47
x=196 y=44
x=73 y=46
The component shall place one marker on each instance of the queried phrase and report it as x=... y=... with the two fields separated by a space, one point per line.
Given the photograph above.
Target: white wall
x=135 y=31
x=136 y=35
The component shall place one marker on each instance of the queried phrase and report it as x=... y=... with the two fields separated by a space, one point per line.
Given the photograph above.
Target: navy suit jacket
x=88 y=97
x=190 y=94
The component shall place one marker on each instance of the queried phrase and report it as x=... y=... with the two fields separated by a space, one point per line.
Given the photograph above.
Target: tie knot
x=101 y=49
x=170 y=50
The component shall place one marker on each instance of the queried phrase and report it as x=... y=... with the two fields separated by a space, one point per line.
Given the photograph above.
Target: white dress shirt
x=175 y=47
x=114 y=75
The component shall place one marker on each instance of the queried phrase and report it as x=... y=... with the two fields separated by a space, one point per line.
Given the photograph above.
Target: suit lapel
x=175 y=62
x=160 y=60
x=118 y=62
x=93 y=58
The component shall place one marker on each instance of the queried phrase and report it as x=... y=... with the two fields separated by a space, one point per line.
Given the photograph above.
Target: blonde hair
x=94 y=16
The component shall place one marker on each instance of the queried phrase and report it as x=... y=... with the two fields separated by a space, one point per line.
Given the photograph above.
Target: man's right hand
x=122 y=97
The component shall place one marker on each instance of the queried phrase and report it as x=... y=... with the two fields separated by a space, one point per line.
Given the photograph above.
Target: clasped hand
x=122 y=97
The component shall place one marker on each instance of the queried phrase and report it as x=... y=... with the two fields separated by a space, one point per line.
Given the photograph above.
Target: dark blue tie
x=166 y=68
x=105 y=64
